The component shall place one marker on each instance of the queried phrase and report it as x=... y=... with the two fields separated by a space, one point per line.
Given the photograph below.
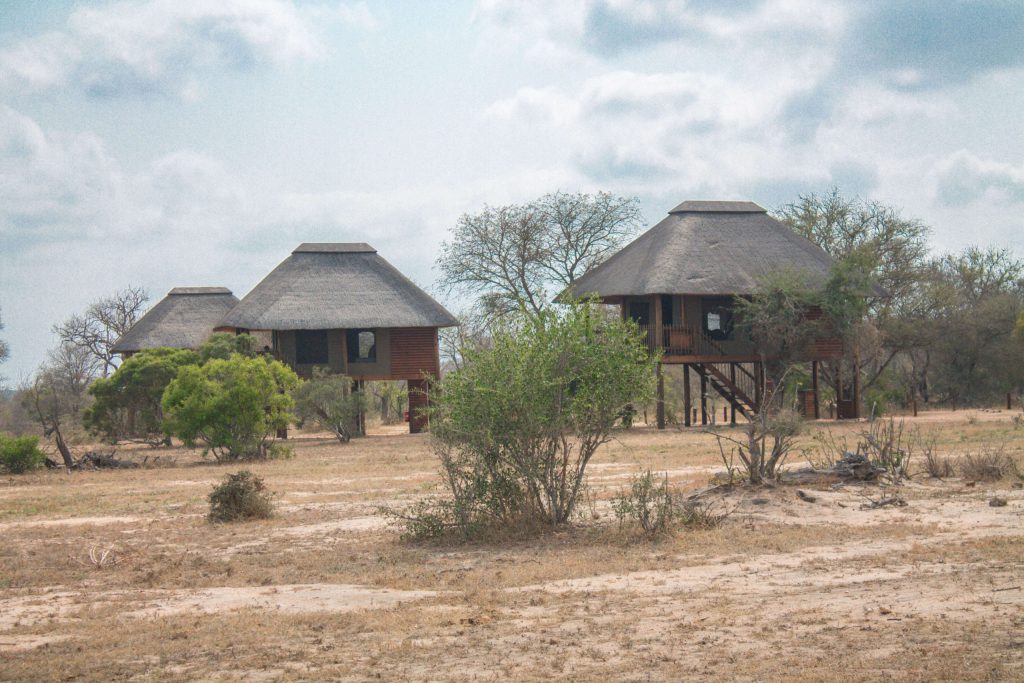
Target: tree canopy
x=516 y=258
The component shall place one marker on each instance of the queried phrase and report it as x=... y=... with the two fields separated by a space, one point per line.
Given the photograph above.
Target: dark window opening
x=311 y=347
x=640 y=311
x=362 y=346
x=717 y=317
x=667 y=310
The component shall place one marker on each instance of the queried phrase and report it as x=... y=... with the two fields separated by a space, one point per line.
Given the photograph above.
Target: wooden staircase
x=735 y=382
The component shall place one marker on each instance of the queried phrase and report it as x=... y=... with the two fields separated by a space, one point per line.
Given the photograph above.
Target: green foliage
x=239 y=497
x=20 y=454
x=328 y=400
x=775 y=318
x=231 y=406
x=127 y=404
x=221 y=345
x=516 y=427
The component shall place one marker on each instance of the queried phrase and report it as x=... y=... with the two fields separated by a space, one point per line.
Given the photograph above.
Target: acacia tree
x=102 y=323
x=517 y=257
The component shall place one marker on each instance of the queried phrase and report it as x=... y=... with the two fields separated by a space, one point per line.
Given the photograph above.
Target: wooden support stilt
x=687 y=405
x=856 y=386
x=814 y=388
x=661 y=398
x=732 y=404
x=703 y=399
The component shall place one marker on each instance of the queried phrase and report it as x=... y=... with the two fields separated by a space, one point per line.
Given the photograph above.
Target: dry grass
x=784 y=589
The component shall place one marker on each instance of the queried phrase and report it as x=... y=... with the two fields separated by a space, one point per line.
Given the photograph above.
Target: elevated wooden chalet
x=680 y=280
x=341 y=306
x=183 y=319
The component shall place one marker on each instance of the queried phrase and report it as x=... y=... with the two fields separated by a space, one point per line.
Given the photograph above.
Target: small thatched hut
x=679 y=282
x=183 y=319
x=343 y=307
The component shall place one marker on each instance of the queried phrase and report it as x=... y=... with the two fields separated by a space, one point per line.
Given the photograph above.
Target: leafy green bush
x=127 y=403
x=20 y=454
x=329 y=401
x=240 y=496
x=516 y=427
x=231 y=406
x=222 y=344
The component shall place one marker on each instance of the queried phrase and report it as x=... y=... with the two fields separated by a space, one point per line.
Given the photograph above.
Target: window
x=362 y=346
x=718 y=319
x=311 y=347
x=640 y=311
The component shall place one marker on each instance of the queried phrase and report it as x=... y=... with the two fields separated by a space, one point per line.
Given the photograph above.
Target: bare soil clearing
x=786 y=589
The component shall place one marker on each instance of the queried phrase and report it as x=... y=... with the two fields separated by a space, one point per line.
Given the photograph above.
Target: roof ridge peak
x=717 y=206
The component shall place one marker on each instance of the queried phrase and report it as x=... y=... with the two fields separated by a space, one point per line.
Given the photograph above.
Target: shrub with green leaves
x=20 y=454
x=232 y=407
x=516 y=427
x=128 y=403
x=240 y=496
x=222 y=344
x=329 y=401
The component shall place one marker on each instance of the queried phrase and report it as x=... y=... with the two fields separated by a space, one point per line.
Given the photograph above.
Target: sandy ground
x=117 y=575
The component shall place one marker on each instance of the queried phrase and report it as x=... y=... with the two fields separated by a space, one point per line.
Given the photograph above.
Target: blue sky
x=167 y=143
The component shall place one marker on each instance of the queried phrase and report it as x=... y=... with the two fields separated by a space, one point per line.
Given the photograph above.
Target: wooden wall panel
x=414 y=352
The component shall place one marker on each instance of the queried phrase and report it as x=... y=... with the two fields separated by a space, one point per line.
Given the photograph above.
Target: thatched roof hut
x=183 y=319
x=706 y=248
x=336 y=285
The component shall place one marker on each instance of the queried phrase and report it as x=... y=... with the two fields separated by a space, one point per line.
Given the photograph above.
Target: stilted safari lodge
x=342 y=307
x=680 y=281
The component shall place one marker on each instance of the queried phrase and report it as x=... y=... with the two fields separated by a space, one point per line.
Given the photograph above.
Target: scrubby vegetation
x=516 y=427
x=239 y=497
x=20 y=454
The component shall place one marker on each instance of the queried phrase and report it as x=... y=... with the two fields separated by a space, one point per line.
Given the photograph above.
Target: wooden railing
x=681 y=340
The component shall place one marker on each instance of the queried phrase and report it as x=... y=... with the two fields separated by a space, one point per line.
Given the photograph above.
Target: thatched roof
x=328 y=286
x=183 y=319
x=706 y=248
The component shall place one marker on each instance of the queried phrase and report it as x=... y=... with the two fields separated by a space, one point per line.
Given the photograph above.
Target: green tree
x=223 y=344
x=328 y=400
x=516 y=258
x=878 y=247
x=127 y=405
x=979 y=299
x=775 y=318
x=231 y=406
x=516 y=427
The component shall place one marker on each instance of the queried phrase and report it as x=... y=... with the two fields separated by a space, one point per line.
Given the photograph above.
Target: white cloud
x=138 y=47
x=963 y=178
